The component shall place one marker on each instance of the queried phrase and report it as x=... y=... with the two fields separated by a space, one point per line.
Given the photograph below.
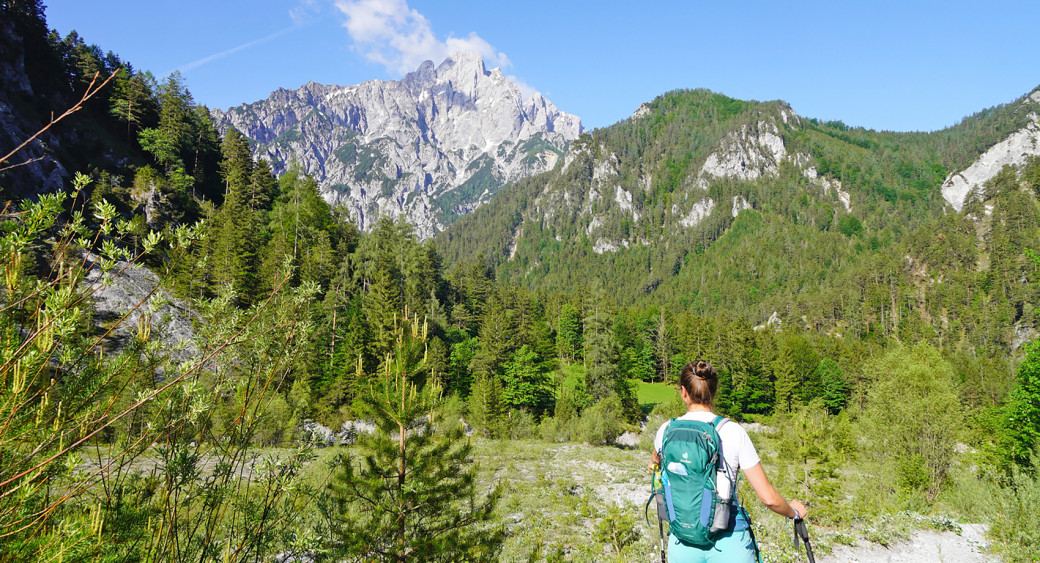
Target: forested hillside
x=368 y=395
x=793 y=231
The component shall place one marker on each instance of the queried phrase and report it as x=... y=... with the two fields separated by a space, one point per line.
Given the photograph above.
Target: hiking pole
x=801 y=532
x=662 y=513
x=664 y=545
x=657 y=497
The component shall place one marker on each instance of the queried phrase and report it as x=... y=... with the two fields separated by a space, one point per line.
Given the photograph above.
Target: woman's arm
x=655 y=460
x=769 y=496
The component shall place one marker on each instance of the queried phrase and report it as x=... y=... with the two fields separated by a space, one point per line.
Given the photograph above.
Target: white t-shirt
x=737 y=448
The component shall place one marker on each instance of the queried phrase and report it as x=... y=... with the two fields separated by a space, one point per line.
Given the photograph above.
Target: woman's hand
x=797 y=505
x=655 y=460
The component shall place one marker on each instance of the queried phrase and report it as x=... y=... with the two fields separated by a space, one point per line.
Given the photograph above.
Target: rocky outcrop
x=1013 y=150
x=699 y=212
x=130 y=290
x=432 y=146
x=609 y=208
x=751 y=153
x=33 y=169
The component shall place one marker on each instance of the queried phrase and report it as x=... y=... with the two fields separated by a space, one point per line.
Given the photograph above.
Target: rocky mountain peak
x=432 y=146
x=463 y=63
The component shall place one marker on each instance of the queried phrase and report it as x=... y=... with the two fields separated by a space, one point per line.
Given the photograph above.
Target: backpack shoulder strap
x=723 y=465
x=718 y=422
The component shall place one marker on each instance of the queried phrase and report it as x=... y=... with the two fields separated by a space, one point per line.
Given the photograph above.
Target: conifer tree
x=496 y=339
x=785 y=376
x=601 y=354
x=486 y=408
x=382 y=307
x=233 y=239
x=525 y=382
x=568 y=333
x=413 y=495
x=132 y=99
x=835 y=387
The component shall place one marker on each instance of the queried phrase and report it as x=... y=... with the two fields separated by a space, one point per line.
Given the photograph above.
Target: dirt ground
x=924 y=546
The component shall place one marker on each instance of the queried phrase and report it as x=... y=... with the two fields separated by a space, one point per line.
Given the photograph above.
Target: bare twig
x=91 y=90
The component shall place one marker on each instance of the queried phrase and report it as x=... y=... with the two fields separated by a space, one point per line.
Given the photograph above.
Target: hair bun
x=704 y=370
x=700 y=382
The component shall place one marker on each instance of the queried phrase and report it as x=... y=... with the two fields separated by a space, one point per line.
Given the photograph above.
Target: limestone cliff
x=432 y=146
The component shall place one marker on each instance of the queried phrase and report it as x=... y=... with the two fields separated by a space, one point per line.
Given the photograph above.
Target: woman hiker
x=698 y=383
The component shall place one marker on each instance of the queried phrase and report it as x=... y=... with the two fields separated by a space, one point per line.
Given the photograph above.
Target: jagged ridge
x=432 y=146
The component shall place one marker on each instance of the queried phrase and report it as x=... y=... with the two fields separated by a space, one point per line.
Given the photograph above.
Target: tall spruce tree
x=786 y=377
x=601 y=352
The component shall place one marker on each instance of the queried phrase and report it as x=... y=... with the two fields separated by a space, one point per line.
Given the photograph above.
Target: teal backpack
x=691 y=455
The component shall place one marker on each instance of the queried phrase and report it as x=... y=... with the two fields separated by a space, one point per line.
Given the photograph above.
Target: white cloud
x=526 y=90
x=306 y=11
x=390 y=33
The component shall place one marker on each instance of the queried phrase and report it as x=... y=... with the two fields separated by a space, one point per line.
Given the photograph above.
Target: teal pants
x=734 y=547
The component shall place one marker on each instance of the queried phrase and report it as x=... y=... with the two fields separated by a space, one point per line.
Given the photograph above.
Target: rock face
x=1014 y=150
x=749 y=153
x=33 y=170
x=131 y=290
x=432 y=146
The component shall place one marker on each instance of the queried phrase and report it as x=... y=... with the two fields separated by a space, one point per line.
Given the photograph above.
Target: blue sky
x=895 y=65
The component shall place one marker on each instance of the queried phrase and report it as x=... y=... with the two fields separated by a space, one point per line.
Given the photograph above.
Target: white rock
x=700 y=211
x=747 y=154
x=398 y=147
x=1013 y=150
x=623 y=198
x=739 y=204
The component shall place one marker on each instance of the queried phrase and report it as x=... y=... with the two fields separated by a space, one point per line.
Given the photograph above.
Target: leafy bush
x=1016 y=521
x=601 y=423
x=616 y=528
x=521 y=425
x=552 y=430
x=913 y=416
x=451 y=414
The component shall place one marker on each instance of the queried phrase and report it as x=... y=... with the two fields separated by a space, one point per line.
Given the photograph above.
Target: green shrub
x=913 y=417
x=552 y=430
x=660 y=413
x=1016 y=520
x=451 y=414
x=521 y=425
x=616 y=528
x=601 y=423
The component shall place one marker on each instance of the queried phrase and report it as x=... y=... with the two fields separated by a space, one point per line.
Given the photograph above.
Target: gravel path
x=924 y=546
